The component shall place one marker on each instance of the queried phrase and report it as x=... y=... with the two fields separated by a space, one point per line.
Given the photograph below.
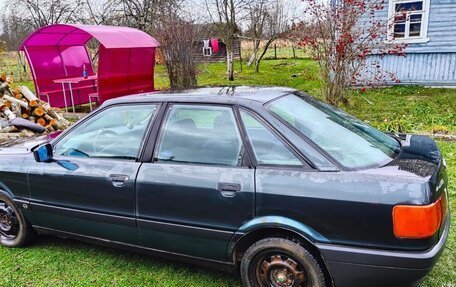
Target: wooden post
x=275 y=51
x=240 y=54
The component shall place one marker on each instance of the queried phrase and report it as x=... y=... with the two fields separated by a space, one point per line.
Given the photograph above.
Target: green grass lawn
x=58 y=262
x=444 y=274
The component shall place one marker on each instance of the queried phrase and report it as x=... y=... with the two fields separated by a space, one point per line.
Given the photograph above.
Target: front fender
x=277 y=222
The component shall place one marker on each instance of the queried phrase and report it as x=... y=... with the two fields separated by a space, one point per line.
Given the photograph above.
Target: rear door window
x=200 y=134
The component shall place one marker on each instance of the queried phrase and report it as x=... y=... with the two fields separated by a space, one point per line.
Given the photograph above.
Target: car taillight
x=414 y=222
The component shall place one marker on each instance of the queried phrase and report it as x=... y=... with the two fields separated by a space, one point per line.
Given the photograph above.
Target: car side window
x=267 y=147
x=116 y=132
x=200 y=134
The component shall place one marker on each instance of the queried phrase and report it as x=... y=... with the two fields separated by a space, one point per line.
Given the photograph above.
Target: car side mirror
x=43 y=153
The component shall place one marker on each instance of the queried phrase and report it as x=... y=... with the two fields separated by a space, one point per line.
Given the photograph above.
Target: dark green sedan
x=262 y=180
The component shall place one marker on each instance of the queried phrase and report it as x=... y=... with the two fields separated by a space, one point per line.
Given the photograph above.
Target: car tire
x=15 y=230
x=279 y=262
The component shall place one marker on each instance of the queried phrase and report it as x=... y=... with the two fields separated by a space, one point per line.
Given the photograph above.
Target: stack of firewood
x=20 y=102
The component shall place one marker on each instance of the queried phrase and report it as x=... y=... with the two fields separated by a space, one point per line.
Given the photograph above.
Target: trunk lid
x=421 y=155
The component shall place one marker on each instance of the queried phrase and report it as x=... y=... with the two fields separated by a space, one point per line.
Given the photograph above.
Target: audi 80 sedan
x=268 y=181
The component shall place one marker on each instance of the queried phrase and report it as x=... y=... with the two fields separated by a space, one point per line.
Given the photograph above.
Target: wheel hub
x=281 y=271
x=9 y=224
x=282 y=277
x=5 y=223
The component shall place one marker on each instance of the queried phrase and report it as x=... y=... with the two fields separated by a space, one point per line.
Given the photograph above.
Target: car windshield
x=350 y=141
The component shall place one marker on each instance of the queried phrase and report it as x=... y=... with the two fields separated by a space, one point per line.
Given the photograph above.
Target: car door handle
x=228 y=189
x=118 y=180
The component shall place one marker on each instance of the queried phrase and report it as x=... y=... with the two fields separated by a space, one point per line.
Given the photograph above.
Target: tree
x=104 y=12
x=177 y=38
x=138 y=14
x=256 y=17
x=226 y=16
x=271 y=25
x=46 y=12
x=14 y=30
x=340 y=36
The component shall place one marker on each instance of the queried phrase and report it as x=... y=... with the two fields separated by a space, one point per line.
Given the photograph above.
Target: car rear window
x=351 y=142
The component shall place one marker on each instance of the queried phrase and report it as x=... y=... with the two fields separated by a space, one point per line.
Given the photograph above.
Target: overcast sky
x=197 y=10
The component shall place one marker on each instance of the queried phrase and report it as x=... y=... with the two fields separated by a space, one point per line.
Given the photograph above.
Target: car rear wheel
x=278 y=262
x=15 y=231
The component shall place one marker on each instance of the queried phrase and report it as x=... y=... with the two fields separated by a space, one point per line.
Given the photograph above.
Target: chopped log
x=41 y=122
x=38 y=111
x=53 y=113
x=45 y=106
x=27 y=94
x=9 y=129
x=2 y=104
x=16 y=109
x=50 y=128
x=57 y=125
x=25 y=124
x=9 y=114
x=14 y=100
x=4 y=87
x=33 y=103
x=9 y=80
x=9 y=136
x=26 y=111
x=47 y=117
x=23 y=106
x=27 y=133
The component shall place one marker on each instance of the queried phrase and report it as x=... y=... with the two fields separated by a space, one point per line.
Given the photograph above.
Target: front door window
x=116 y=132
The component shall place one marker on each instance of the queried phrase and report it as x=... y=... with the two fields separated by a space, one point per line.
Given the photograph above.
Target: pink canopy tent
x=126 y=62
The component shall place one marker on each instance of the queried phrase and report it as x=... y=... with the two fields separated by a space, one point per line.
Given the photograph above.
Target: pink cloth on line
x=215 y=45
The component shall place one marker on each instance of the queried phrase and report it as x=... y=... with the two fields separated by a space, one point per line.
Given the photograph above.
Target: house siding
x=430 y=69
x=432 y=63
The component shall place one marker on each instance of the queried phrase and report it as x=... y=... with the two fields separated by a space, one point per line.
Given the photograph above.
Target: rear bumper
x=361 y=267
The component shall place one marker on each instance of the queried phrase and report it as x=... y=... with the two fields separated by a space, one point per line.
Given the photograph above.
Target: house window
x=409 y=20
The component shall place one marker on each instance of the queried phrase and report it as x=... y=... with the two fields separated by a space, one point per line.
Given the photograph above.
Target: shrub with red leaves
x=341 y=37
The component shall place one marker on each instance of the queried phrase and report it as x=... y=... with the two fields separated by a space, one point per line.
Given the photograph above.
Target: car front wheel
x=15 y=231
x=278 y=262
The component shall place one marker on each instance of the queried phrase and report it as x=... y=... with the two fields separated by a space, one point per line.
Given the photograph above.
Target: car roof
x=223 y=94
